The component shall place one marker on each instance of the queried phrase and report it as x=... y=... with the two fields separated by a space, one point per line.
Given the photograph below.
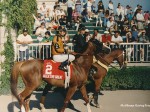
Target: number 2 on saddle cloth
x=50 y=70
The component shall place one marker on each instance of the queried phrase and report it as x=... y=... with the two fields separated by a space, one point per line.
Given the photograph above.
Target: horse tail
x=14 y=79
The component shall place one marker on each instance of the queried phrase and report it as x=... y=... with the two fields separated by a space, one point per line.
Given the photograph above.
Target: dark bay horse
x=31 y=73
x=102 y=63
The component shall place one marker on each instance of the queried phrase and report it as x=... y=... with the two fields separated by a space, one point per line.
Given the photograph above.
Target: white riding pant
x=63 y=57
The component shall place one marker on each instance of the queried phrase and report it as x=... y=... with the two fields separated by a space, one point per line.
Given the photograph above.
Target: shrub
x=131 y=78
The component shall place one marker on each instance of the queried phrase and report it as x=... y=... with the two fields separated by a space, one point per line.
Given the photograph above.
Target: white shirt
x=36 y=23
x=23 y=38
x=110 y=24
x=70 y=4
x=125 y=11
x=41 y=32
x=139 y=16
x=89 y=4
x=57 y=12
x=135 y=9
x=118 y=39
x=62 y=13
x=110 y=6
x=43 y=9
x=118 y=11
x=51 y=13
x=98 y=37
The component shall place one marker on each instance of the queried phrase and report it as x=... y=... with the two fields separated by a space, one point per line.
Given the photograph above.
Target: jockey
x=58 y=51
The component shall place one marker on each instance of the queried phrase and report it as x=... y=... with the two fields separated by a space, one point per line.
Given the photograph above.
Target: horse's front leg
x=97 y=89
x=85 y=97
x=42 y=100
x=69 y=95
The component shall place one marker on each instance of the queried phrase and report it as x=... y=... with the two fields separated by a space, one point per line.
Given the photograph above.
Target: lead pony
x=102 y=63
x=31 y=73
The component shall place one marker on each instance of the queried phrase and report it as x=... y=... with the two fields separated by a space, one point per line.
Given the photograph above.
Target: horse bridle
x=124 y=59
x=116 y=59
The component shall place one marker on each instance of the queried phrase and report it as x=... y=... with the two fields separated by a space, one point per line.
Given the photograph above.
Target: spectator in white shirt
x=111 y=7
x=40 y=32
x=87 y=35
x=138 y=7
x=117 y=39
x=110 y=24
x=24 y=39
x=37 y=22
x=44 y=9
x=57 y=12
x=89 y=6
x=70 y=7
x=97 y=35
x=62 y=13
x=51 y=14
x=120 y=12
x=140 y=19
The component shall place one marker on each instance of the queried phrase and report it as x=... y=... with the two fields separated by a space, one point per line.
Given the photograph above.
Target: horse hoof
x=43 y=110
x=61 y=110
x=98 y=106
x=42 y=107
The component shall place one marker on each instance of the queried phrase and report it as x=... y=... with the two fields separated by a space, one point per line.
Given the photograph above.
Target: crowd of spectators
x=121 y=24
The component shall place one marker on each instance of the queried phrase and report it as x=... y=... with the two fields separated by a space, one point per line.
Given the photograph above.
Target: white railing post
x=132 y=51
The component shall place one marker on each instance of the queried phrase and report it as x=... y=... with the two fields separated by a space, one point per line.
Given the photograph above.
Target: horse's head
x=121 y=58
x=97 y=46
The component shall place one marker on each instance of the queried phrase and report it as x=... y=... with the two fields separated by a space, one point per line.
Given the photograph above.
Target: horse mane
x=103 y=54
x=114 y=49
x=121 y=48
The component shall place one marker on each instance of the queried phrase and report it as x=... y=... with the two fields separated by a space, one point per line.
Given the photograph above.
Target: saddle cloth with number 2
x=50 y=70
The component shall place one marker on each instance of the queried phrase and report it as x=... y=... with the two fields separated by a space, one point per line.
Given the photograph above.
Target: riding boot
x=93 y=70
x=63 y=66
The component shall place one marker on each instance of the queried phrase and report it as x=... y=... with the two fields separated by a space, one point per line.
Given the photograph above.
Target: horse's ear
x=91 y=40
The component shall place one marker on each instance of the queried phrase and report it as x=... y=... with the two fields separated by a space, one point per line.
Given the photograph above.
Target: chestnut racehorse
x=102 y=63
x=31 y=73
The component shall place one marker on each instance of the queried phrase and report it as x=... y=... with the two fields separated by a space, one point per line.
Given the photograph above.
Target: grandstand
x=90 y=25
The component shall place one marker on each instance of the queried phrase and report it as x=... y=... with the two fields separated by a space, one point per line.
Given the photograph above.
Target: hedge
x=130 y=78
x=133 y=78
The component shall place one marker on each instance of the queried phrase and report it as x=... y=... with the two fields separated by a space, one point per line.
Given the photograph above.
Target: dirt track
x=111 y=101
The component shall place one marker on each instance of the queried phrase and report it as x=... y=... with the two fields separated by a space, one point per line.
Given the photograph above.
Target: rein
x=80 y=54
x=109 y=63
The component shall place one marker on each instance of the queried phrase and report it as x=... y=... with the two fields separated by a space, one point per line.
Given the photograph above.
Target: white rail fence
x=135 y=52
